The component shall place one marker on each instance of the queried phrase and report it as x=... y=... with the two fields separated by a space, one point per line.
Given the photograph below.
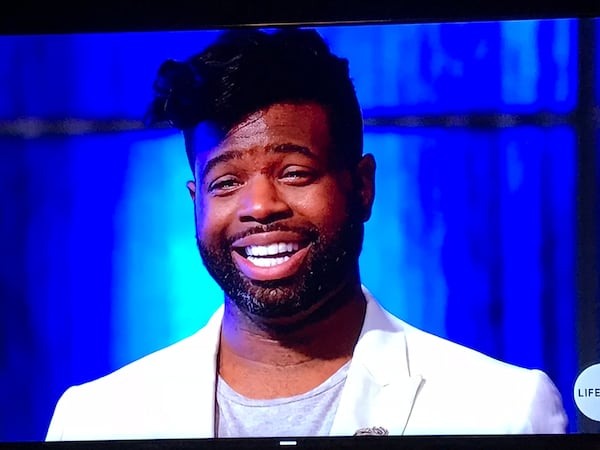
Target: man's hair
x=246 y=70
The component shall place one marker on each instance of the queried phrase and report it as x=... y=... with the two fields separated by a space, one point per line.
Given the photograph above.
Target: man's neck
x=262 y=361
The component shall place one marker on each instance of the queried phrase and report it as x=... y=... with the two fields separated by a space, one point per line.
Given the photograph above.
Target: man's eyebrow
x=223 y=157
x=292 y=148
x=237 y=154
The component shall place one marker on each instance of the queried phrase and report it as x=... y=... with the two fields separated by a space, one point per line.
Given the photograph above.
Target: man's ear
x=192 y=189
x=365 y=171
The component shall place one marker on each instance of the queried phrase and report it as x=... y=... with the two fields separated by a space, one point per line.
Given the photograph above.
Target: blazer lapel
x=193 y=416
x=380 y=390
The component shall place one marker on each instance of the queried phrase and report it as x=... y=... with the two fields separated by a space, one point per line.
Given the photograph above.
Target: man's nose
x=261 y=202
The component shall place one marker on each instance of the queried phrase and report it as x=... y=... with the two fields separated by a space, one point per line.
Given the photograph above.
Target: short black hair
x=245 y=70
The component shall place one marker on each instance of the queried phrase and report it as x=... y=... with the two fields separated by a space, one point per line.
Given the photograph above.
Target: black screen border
x=63 y=16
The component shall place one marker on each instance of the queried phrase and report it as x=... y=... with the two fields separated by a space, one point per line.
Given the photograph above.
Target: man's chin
x=270 y=299
x=277 y=306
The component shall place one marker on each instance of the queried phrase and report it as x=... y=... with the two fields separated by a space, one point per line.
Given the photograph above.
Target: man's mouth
x=272 y=254
x=269 y=256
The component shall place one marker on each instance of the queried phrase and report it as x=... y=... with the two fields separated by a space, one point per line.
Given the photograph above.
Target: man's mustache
x=307 y=233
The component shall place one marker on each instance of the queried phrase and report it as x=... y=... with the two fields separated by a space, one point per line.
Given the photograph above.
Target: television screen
x=479 y=261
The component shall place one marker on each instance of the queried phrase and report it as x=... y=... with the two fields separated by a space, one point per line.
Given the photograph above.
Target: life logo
x=587 y=392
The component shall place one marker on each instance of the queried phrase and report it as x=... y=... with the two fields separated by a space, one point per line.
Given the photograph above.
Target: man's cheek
x=212 y=229
x=205 y=232
x=206 y=215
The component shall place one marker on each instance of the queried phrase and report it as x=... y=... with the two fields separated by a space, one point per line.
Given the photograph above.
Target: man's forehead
x=305 y=124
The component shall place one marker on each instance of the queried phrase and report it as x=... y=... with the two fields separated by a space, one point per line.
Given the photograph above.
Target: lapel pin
x=372 y=431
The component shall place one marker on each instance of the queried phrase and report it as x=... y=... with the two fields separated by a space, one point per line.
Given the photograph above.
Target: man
x=281 y=190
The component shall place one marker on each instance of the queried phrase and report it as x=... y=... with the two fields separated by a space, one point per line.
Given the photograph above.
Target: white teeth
x=267 y=262
x=272 y=249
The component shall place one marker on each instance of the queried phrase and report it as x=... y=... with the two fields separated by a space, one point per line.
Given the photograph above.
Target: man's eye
x=298 y=176
x=223 y=185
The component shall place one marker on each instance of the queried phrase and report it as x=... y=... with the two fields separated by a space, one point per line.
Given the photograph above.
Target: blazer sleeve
x=546 y=413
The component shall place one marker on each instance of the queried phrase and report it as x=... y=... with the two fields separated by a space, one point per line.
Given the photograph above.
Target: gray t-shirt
x=308 y=414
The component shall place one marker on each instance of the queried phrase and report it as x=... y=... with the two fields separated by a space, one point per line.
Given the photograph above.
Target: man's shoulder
x=460 y=383
x=139 y=399
x=161 y=362
x=429 y=352
x=514 y=398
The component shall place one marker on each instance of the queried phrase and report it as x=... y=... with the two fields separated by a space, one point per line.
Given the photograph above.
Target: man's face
x=278 y=226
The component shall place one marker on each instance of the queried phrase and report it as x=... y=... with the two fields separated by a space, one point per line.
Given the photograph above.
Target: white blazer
x=400 y=378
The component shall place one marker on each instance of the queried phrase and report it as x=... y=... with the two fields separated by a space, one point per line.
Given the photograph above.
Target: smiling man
x=281 y=191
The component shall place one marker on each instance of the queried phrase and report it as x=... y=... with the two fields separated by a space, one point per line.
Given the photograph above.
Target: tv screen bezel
x=125 y=16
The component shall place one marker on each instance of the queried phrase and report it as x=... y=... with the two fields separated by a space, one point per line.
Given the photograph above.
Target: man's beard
x=330 y=261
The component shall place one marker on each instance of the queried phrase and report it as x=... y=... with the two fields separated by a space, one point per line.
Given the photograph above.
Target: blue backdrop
x=473 y=236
